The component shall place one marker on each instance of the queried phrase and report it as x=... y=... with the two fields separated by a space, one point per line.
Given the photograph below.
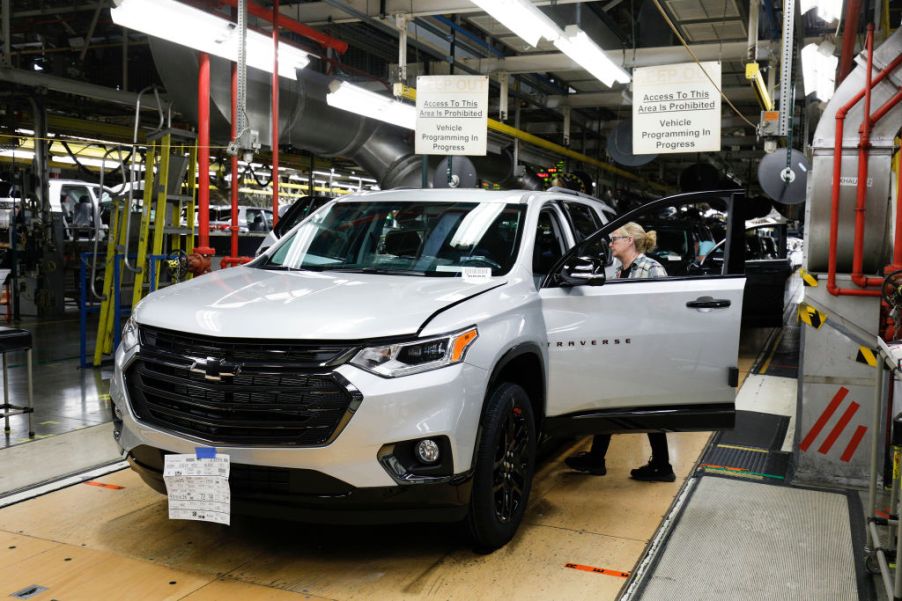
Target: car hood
x=246 y=302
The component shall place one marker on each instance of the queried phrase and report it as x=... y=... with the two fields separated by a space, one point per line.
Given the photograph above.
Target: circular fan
x=785 y=184
x=699 y=177
x=463 y=173
x=620 y=147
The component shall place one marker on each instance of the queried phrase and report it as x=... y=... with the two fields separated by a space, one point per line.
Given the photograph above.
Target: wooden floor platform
x=112 y=539
x=116 y=542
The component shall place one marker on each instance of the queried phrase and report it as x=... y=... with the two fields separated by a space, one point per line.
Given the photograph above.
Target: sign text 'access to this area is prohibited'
x=452 y=112
x=676 y=108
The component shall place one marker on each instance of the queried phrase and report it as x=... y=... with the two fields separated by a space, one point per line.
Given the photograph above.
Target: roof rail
x=563 y=190
x=608 y=208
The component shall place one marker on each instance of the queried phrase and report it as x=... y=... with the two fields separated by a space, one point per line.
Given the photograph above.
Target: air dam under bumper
x=308 y=495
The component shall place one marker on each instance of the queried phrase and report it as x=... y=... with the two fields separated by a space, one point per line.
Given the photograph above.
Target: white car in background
x=395 y=356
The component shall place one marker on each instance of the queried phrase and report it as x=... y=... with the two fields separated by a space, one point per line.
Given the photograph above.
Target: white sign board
x=676 y=108
x=452 y=113
x=198 y=489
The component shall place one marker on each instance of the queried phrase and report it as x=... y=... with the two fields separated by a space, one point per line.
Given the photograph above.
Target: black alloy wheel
x=512 y=464
x=505 y=460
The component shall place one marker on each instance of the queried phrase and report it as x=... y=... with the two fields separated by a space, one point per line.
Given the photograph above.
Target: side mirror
x=583 y=271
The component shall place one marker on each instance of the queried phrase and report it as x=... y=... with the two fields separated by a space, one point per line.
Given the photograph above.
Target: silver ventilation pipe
x=878 y=225
x=305 y=120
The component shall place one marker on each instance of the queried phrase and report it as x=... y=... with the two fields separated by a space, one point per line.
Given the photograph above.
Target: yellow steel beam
x=753 y=74
x=497 y=126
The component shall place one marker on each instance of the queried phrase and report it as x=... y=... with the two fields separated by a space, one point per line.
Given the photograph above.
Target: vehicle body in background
x=78 y=202
x=767 y=269
x=396 y=356
x=250 y=219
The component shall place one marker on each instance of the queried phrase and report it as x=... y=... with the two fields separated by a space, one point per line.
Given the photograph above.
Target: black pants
x=660 y=456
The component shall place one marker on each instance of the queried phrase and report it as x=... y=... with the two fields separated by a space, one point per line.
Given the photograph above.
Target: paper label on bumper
x=198 y=489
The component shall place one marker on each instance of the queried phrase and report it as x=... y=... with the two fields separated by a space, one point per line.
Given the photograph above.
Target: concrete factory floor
x=111 y=537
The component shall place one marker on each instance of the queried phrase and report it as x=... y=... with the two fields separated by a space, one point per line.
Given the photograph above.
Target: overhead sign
x=676 y=108
x=452 y=113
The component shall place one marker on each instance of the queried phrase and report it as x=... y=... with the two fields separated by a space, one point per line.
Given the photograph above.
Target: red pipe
x=235 y=178
x=897 y=245
x=275 y=114
x=837 y=174
x=203 y=155
x=864 y=147
x=850 y=32
x=290 y=24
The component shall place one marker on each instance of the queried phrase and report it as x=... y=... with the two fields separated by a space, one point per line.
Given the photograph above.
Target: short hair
x=644 y=241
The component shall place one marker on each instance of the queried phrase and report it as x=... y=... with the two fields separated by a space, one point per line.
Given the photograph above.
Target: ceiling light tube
x=206 y=32
x=576 y=44
x=523 y=18
x=819 y=70
x=348 y=97
x=828 y=10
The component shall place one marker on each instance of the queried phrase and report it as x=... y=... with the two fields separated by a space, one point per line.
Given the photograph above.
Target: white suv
x=396 y=355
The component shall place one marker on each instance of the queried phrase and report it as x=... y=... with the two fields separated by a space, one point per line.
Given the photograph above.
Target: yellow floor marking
x=741 y=448
x=770 y=356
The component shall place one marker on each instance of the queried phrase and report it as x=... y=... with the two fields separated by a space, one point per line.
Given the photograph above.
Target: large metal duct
x=878 y=224
x=305 y=120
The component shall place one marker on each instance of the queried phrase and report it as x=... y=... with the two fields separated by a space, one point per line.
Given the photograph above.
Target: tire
x=505 y=460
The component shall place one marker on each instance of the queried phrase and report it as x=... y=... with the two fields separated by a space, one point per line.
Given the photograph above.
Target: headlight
x=404 y=359
x=129 y=335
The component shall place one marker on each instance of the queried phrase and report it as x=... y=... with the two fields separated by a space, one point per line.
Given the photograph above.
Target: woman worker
x=629 y=244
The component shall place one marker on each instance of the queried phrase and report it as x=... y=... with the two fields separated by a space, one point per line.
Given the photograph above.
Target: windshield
x=407 y=238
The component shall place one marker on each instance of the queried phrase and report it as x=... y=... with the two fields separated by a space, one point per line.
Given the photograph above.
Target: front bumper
x=308 y=495
x=445 y=402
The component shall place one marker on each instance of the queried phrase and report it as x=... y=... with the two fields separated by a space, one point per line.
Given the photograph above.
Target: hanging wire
x=698 y=62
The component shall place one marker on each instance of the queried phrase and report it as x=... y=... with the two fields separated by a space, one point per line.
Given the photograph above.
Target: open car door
x=649 y=354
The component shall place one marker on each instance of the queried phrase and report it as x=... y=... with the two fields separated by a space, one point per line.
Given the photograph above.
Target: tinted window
x=549 y=246
x=584 y=219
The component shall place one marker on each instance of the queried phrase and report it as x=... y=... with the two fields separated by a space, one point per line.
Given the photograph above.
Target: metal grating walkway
x=741 y=541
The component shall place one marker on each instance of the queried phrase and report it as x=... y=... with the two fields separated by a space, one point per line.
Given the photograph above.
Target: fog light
x=427 y=451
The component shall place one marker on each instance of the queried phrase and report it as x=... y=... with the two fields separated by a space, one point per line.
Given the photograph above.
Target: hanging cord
x=698 y=62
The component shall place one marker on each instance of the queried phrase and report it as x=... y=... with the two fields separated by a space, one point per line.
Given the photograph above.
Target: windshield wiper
x=278 y=267
x=379 y=270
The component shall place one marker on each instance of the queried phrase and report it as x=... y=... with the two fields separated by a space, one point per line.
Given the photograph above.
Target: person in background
x=629 y=244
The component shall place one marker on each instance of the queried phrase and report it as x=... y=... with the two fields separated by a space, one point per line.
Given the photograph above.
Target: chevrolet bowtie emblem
x=214 y=369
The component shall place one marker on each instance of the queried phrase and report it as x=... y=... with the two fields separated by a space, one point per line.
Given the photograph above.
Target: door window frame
x=734 y=254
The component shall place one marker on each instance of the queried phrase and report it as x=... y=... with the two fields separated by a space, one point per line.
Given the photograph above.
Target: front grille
x=277 y=353
x=280 y=394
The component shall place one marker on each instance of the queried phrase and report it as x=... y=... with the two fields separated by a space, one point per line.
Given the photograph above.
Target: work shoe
x=654 y=473
x=584 y=462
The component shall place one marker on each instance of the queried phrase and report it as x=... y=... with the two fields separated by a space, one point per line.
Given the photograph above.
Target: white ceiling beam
x=612 y=99
x=641 y=57
x=321 y=13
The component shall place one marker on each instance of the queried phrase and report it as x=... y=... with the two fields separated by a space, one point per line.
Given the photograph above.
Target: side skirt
x=677 y=418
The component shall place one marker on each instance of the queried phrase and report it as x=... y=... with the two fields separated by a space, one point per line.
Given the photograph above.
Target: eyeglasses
x=613 y=238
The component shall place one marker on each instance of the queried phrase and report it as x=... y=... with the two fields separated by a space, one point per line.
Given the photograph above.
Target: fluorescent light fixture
x=26 y=155
x=355 y=99
x=523 y=18
x=819 y=70
x=206 y=32
x=86 y=161
x=828 y=10
x=576 y=44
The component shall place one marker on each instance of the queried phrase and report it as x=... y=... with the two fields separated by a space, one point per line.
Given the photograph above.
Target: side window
x=584 y=219
x=549 y=246
x=685 y=234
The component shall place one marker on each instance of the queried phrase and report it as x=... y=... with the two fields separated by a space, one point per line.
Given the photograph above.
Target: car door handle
x=707 y=302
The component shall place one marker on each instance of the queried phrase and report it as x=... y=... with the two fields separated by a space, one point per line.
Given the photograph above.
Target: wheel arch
x=524 y=365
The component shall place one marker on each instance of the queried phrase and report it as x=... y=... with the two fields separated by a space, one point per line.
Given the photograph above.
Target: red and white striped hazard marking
x=838 y=428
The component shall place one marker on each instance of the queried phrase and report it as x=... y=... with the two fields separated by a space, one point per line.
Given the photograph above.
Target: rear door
x=648 y=354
